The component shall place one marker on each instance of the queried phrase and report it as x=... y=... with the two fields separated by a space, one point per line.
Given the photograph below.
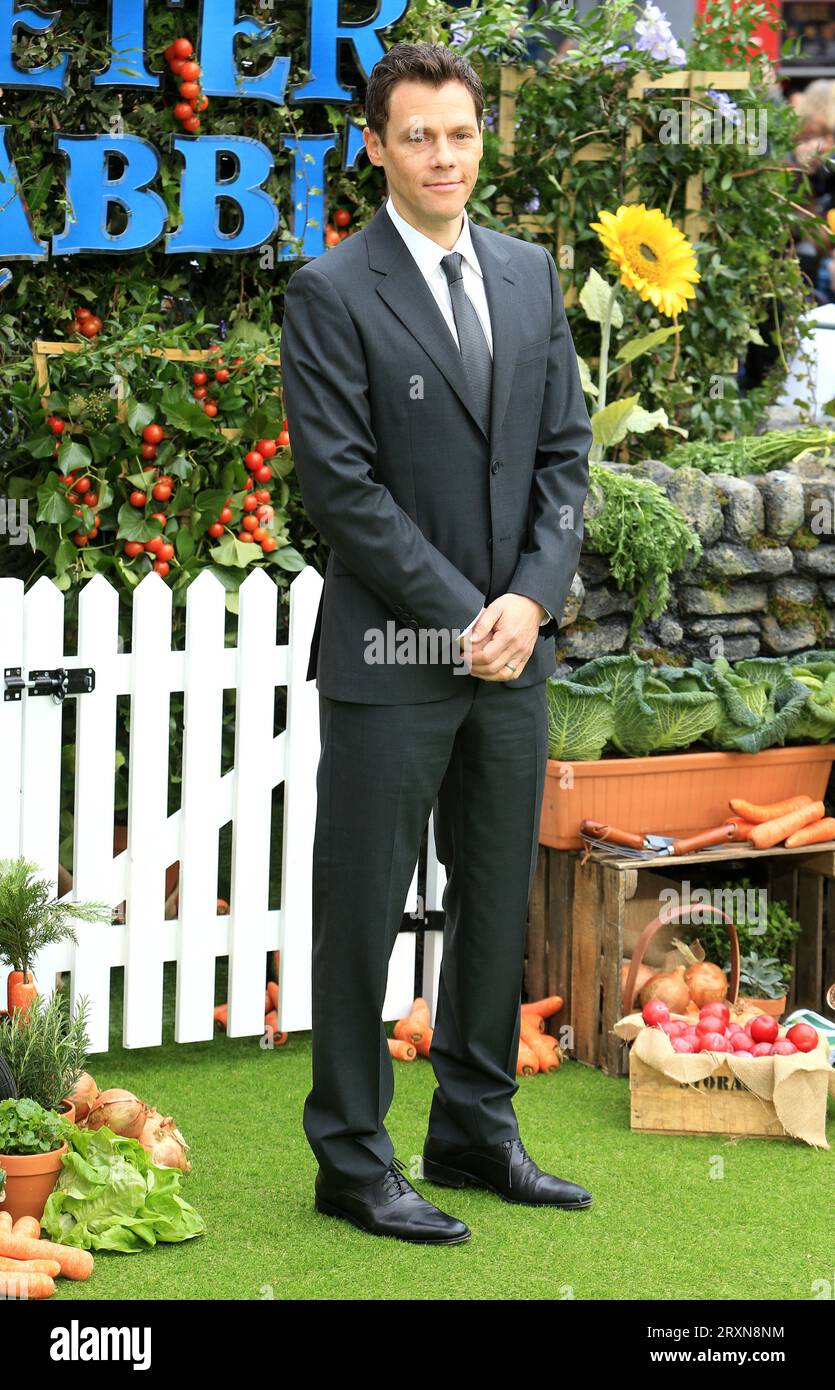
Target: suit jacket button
x=489 y=542
x=495 y=465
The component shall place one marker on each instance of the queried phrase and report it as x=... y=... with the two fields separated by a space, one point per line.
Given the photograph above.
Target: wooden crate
x=579 y=930
x=718 y=1104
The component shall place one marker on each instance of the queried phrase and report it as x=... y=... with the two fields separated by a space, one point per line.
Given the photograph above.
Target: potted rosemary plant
x=31 y=919
x=45 y=1050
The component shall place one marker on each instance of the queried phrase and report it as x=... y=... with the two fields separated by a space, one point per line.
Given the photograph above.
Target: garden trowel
x=645 y=846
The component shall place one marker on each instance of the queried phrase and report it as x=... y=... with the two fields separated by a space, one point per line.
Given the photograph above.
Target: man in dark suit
x=441 y=442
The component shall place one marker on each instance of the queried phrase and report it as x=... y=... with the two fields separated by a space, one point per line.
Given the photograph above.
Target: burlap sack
x=797 y=1085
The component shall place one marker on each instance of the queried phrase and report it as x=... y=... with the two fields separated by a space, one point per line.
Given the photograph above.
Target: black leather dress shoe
x=390 y=1207
x=506 y=1169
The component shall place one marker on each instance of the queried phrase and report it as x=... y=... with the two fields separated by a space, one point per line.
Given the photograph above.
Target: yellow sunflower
x=655 y=258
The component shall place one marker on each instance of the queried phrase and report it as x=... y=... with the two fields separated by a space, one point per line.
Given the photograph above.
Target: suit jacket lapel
x=407 y=294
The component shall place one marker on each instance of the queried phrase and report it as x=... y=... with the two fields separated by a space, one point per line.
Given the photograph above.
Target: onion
x=706 y=982
x=645 y=972
x=121 y=1111
x=669 y=986
x=84 y=1096
x=164 y=1142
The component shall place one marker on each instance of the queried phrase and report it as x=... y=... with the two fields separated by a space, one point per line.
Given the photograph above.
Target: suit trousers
x=478 y=760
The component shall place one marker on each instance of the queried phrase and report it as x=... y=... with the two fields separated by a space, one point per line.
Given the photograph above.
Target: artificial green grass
x=673 y=1218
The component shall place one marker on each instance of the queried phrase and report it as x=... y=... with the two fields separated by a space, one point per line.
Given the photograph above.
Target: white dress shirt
x=428 y=255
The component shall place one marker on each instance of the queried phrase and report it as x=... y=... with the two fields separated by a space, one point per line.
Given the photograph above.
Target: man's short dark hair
x=417 y=62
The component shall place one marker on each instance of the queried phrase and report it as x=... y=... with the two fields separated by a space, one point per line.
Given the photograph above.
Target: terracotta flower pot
x=21 y=990
x=67 y=1111
x=29 y=1180
x=775 y=1008
x=674 y=793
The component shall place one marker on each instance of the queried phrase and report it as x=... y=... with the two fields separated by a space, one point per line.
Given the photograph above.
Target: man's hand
x=506 y=631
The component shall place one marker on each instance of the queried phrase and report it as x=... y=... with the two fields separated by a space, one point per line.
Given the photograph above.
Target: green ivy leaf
x=184 y=544
x=132 y=525
x=72 y=455
x=139 y=415
x=287 y=558
x=231 y=551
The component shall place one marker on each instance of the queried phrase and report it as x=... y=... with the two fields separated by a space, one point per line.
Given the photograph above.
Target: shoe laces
x=395 y=1180
x=509 y=1143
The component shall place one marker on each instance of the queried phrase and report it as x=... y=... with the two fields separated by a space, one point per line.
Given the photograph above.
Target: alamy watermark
x=14 y=519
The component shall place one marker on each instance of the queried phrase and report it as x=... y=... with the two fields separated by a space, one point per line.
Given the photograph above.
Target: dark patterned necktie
x=475 y=350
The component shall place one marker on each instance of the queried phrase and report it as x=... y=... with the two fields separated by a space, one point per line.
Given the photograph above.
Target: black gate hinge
x=59 y=682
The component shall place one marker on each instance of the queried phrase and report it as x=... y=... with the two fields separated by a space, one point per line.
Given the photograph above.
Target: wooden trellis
x=688 y=82
x=43 y=350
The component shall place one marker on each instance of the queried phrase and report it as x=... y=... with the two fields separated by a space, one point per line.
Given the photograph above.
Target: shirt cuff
x=471 y=625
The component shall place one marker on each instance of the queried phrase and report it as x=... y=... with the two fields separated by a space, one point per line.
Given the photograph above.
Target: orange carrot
x=527 y=1063
x=743 y=828
x=532 y=1020
x=222 y=1016
x=27 y=1226
x=547 y=1053
x=75 y=1263
x=545 y=1007
x=404 y=1050
x=422 y=1047
x=409 y=1030
x=813 y=834
x=529 y=1031
x=272 y=995
x=771 y=832
x=759 y=814
x=26 y=1286
x=50 y=1267
x=420 y=1010
x=271 y=1021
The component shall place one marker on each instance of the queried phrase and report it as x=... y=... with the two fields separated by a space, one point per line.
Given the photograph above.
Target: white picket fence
x=32 y=638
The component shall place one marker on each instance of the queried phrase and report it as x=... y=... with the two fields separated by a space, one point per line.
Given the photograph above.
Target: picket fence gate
x=32 y=639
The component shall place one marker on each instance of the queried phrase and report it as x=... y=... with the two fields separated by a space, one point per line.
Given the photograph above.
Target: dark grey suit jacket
x=427 y=517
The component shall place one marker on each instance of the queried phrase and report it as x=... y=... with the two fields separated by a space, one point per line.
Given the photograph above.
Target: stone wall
x=764 y=585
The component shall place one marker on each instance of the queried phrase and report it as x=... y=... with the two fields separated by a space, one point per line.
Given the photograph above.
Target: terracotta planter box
x=674 y=793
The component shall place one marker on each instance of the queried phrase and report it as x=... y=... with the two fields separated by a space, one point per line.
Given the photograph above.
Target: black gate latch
x=58 y=683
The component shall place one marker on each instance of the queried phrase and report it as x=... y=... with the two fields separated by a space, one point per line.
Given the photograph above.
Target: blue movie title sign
x=118 y=170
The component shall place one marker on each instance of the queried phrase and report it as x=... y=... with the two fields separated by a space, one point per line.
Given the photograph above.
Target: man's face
x=432 y=152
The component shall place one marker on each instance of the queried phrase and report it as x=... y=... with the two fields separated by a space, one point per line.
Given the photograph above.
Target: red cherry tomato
x=183 y=111
x=263 y=475
x=57 y=426
x=222 y=376
x=133 y=548
x=211 y=409
x=182 y=48
x=268 y=544
x=138 y=499
x=250 y=503
x=190 y=72
x=199 y=379
x=226 y=515
x=266 y=448
x=153 y=434
x=250 y=523
x=283 y=440
x=216 y=530
x=192 y=124
x=148 y=451
x=160 y=517
x=161 y=567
